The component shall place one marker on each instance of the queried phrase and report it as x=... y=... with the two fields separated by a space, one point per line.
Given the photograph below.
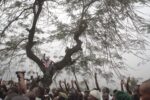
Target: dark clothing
x=135 y=97
x=10 y=96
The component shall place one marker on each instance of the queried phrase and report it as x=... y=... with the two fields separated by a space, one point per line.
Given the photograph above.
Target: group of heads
x=142 y=90
x=96 y=95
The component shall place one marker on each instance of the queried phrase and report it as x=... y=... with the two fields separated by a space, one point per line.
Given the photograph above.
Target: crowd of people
x=34 y=90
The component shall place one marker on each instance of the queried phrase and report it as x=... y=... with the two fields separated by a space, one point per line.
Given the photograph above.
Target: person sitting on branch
x=47 y=62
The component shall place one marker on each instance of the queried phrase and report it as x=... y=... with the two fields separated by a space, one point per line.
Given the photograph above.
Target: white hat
x=96 y=94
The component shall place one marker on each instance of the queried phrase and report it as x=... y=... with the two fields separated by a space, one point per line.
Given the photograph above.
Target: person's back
x=136 y=94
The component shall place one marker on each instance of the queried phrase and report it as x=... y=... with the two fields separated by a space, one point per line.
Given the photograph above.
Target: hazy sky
x=142 y=70
x=135 y=69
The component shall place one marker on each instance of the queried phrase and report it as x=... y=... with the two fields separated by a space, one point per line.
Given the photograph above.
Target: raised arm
x=86 y=84
x=67 y=89
x=127 y=86
x=77 y=85
x=44 y=58
x=96 y=82
x=60 y=85
x=122 y=83
x=72 y=84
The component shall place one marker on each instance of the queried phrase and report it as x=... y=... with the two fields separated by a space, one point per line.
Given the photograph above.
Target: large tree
x=98 y=32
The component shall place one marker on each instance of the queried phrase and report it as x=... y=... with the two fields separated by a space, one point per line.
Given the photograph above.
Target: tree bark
x=66 y=61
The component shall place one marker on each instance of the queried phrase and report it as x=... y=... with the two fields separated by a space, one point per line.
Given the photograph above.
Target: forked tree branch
x=67 y=60
x=31 y=43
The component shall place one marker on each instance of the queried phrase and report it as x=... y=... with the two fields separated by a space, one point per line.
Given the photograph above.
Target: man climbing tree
x=48 y=63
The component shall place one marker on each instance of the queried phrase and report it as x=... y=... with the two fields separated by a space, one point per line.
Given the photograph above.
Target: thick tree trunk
x=47 y=80
x=67 y=60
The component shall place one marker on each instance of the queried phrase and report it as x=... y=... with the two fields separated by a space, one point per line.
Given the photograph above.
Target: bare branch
x=30 y=44
x=15 y=47
x=12 y=21
x=67 y=60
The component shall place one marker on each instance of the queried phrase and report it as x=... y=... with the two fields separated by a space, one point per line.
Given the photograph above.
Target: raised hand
x=128 y=79
x=59 y=81
x=64 y=80
x=127 y=86
x=95 y=75
x=122 y=82
x=96 y=82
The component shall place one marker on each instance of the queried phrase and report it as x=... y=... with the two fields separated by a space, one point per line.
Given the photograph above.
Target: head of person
x=38 y=92
x=63 y=96
x=145 y=90
x=94 y=95
x=20 y=74
x=55 y=91
x=105 y=93
x=120 y=95
x=47 y=91
x=73 y=94
x=86 y=93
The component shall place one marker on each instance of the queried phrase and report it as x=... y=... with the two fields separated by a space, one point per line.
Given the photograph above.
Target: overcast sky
x=135 y=69
x=142 y=69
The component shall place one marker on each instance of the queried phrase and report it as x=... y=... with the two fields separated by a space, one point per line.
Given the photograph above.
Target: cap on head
x=96 y=94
